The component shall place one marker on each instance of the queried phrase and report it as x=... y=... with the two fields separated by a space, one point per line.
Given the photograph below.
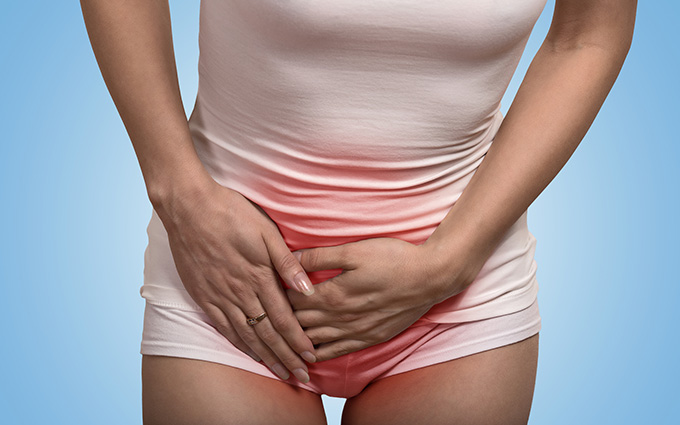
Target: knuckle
x=240 y=290
x=367 y=330
x=310 y=258
x=345 y=254
x=341 y=351
x=317 y=336
x=260 y=277
x=288 y=265
x=342 y=254
x=281 y=322
x=290 y=360
x=313 y=336
x=334 y=299
x=268 y=335
x=222 y=325
x=347 y=316
x=378 y=335
x=250 y=338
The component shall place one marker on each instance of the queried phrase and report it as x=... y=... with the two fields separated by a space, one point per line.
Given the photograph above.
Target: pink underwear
x=190 y=334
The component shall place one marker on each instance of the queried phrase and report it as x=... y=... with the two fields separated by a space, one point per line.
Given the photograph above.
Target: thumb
x=288 y=266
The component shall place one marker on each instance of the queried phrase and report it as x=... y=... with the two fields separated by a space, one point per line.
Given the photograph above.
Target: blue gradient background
x=74 y=213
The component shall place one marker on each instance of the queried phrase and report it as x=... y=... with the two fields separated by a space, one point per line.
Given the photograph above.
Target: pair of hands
x=229 y=255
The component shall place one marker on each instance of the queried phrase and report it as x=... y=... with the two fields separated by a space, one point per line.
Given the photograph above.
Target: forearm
x=132 y=41
x=553 y=109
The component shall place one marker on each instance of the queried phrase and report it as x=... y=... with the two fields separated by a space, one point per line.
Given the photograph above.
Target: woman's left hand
x=386 y=285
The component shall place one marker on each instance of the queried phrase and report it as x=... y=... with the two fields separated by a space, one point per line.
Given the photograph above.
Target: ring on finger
x=252 y=321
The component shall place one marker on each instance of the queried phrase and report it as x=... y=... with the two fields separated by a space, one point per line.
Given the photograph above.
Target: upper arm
x=604 y=23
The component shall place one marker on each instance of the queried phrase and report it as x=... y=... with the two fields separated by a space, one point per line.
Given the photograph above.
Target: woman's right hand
x=227 y=252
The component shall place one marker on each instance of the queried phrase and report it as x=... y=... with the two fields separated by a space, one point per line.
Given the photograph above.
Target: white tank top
x=353 y=119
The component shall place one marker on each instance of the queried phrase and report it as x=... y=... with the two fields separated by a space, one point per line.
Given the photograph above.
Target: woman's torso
x=350 y=119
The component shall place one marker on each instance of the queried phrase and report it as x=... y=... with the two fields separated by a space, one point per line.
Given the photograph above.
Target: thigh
x=186 y=391
x=488 y=388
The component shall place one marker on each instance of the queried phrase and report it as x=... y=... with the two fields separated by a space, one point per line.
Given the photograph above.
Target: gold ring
x=254 y=320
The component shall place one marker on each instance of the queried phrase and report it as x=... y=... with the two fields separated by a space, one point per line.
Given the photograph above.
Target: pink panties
x=190 y=334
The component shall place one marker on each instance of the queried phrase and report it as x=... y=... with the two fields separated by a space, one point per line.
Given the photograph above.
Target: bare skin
x=487 y=388
x=185 y=391
x=216 y=235
x=494 y=387
x=560 y=96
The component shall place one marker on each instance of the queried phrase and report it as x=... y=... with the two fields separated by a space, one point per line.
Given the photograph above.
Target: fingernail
x=297 y=255
x=309 y=357
x=281 y=371
x=301 y=375
x=255 y=357
x=303 y=282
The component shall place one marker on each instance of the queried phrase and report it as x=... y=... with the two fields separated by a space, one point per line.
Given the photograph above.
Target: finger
x=324 y=258
x=316 y=317
x=325 y=334
x=220 y=322
x=289 y=359
x=269 y=345
x=328 y=295
x=287 y=265
x=281 y=315
x=339 y=348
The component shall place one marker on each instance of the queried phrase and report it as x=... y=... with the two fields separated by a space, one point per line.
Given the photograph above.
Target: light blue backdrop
x=74 y=212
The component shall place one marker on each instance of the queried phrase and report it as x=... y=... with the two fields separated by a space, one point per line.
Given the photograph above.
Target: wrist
x=179 y=186
x=451 y=268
